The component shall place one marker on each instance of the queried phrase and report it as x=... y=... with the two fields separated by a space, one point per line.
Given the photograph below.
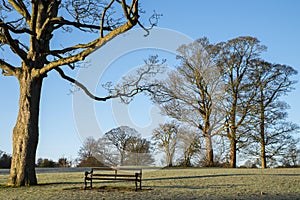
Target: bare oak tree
x=88 y=149
x=165 y=137
x=193 y=91
x=273 y=132
x=190 y=145
x=139 y=152
x=120 y=138
x=234 y=59
x=28 y=34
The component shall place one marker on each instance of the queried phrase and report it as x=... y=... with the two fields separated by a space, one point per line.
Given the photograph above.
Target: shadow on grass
x=214 y=176
x=3 y=186
x=106 y=188
x=60 y=183
x=207 y=176
x=226 y=186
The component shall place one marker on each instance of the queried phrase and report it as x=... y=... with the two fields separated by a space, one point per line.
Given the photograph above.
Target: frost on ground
x=200 y=183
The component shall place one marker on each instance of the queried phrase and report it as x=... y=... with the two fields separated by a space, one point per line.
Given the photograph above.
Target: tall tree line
x=228 y=90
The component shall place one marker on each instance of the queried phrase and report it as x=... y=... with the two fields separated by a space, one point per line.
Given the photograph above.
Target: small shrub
x=90 y=162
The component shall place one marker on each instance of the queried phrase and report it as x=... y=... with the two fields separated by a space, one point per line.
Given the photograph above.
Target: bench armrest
x=86 y=173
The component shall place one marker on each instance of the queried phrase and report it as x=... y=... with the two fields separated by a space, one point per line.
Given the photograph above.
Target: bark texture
x=262 y=134
x=26 y=132
x=209 y=152
x=169 y=156
x=232 y=162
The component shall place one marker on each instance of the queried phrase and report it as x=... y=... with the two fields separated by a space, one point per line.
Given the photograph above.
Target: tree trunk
x=187 y=158
x=209 y=151
x=26 y=132
x=262 y=145
x=169 y=158
x=263 y=156
x=262 y=132
x=122 y=157
x=232 y=153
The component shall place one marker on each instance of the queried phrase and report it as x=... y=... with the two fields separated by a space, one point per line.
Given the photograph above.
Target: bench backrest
x=116 y=169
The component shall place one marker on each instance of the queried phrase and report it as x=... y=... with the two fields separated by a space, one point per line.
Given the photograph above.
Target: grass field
x=167 y=184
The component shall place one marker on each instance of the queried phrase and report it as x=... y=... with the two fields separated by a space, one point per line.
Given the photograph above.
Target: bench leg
x=141 y=184
x=85 y=184
x=136 y=180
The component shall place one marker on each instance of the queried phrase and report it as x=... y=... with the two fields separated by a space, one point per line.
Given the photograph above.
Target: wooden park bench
x=111 y=173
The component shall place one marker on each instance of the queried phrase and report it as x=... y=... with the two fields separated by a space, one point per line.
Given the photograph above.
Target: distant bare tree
x=88 y=149
x=120 y=138
x=139 y=152
x=107 y=152
x=190 y=144
x=291 y=154
x=165 y=137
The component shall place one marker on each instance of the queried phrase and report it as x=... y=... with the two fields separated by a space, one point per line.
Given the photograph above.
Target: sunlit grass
x=203 y=183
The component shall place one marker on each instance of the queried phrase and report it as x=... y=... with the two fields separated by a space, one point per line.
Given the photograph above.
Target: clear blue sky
x=275 y=23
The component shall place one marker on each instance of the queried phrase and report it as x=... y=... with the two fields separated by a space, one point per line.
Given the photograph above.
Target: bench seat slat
x=113 y=179
x=115 y=175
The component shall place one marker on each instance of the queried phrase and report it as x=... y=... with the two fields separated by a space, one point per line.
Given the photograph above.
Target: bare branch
x=68 y=49
x=153 y=20
x=7 y=69
x=21 y=8
x=60 y=21
x=125 y=10
x=128 y=88
x=133 y=9
x=32 y=24
x=80 y=85
x=74 y=58
x=14 y=29
x=14 y=44
x=103 y=17
x=141 y=80
x=7 y=7
x=89 y=48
